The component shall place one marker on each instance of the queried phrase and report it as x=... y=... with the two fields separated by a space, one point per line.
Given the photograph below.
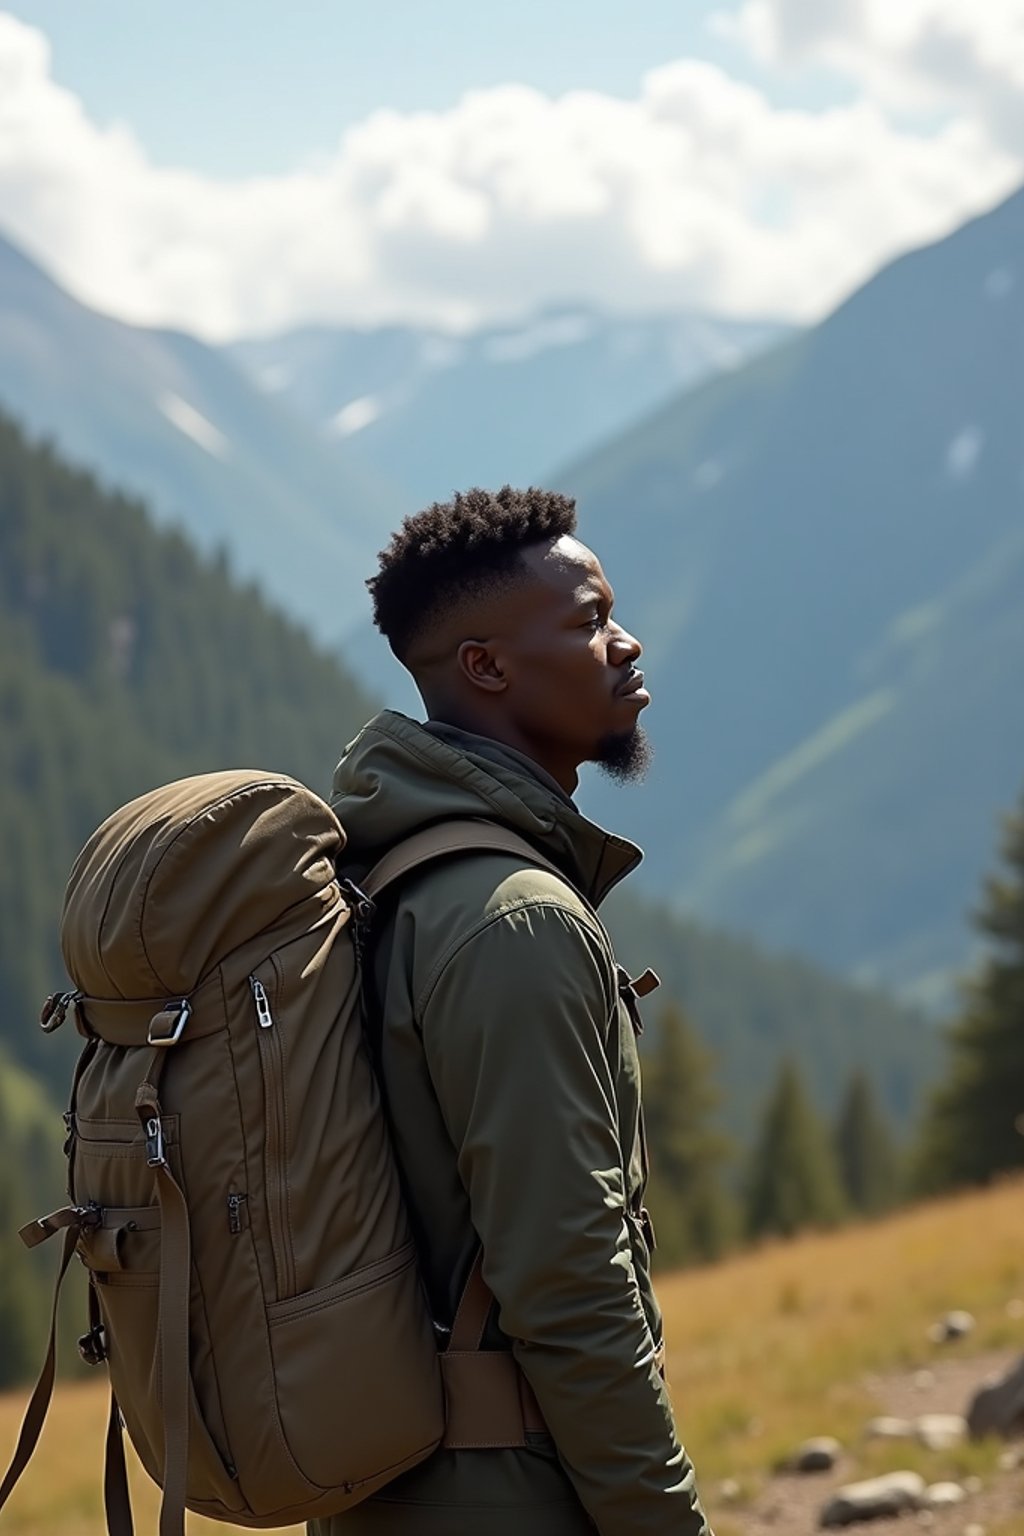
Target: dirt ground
x=790 y=1504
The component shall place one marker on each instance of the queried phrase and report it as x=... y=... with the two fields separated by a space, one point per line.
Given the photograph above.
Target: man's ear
x=478 y=663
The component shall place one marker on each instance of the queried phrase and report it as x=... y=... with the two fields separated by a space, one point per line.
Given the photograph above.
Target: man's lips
x=634 y=684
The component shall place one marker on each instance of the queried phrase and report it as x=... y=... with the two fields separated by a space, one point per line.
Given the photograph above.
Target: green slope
x=822 y=552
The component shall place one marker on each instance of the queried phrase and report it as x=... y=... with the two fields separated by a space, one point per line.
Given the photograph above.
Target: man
x=507 y=1049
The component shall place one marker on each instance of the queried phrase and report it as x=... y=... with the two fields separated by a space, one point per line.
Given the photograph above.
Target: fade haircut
x=458 y=549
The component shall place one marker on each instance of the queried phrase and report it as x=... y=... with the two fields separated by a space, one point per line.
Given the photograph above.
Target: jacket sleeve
x=516 y=1034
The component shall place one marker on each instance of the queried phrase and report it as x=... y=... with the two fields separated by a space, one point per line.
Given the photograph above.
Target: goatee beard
x=626 y=757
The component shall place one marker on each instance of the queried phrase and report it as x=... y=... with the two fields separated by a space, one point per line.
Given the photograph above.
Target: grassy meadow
x=765 y=1349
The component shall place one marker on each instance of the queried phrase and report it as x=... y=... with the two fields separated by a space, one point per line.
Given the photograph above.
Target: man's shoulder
x=471 y=889
x=497 y=921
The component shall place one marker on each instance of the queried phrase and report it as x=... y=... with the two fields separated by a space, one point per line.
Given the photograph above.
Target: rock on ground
x=789 y=1504
x=819 y=1454
x=875 y=1498
x=887 y=1427
x=998 y=1407
x=941 y=1495
x=940 y=1431
x=955 y=1325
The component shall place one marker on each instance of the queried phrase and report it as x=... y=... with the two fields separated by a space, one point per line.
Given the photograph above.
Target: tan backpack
x=253 y=1285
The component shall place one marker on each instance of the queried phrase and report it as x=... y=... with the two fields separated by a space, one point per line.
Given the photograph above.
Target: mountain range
x=824 y=552
x=437 y=412
x=256 y=449
x=160 y=414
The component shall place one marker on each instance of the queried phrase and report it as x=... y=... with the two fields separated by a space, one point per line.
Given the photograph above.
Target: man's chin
x=625 y=756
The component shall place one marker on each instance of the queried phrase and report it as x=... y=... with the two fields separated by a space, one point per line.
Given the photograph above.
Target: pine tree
x=691 y=1209
x=865 y=1151
x=792 y=1179
x=974 y=1124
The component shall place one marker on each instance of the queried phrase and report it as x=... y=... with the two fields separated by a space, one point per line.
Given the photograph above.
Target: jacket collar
x=398 y=776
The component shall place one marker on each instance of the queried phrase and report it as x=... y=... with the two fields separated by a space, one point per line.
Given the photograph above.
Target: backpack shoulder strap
x=489 y=1401
x=449 y=837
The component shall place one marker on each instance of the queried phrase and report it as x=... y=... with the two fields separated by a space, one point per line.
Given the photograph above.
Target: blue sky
x=238 y=167
x=245 y=87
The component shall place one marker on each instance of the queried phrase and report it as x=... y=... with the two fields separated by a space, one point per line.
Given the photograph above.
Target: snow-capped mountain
x=160 y=414
x=436 y=412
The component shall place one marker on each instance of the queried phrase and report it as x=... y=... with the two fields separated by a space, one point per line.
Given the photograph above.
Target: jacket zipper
x=268 y=1037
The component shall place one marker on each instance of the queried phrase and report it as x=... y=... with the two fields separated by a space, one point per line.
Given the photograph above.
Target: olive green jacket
x=509 y=1064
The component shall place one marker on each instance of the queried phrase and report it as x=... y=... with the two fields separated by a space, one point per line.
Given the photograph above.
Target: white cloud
x=954 y=55
x=699 y=192
x=356 y=415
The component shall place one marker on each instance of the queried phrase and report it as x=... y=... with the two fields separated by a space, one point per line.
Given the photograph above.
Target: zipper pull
x=236 y=1200
x=264 y=1017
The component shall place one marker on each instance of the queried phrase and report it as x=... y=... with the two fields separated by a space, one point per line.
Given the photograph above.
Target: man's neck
x=470 y=739
x=441 y=711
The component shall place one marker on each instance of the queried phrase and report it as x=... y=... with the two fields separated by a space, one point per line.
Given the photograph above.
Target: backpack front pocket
x=375 y=1357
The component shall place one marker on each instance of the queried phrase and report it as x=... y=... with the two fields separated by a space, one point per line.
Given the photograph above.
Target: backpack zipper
x=275 y=1142
x=236 y=1201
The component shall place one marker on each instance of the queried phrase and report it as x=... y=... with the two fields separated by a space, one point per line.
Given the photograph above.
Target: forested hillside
x=752 y=1008
x=125 y=660
x=32 y=1179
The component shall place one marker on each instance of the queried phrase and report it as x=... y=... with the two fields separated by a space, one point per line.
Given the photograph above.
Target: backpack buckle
x=361 y=904
x=168 y=1026
x=55 y=1009
x=92 y=1346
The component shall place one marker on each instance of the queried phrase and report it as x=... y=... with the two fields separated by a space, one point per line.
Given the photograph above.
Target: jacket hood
x=398 y=776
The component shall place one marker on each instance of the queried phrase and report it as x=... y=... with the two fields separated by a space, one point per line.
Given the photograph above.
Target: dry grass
x=780 y=1344
x=61 y=1493
x=764 y=1350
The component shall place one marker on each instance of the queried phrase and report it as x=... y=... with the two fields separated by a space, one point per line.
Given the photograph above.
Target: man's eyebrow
x=590 y=594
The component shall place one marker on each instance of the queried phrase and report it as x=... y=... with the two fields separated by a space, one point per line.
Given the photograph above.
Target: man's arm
x=515 y=1031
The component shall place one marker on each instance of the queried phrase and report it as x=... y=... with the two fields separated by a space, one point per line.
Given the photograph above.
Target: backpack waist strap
x=488 y=1401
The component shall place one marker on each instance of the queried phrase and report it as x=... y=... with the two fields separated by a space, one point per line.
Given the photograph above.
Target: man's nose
x=627 y=646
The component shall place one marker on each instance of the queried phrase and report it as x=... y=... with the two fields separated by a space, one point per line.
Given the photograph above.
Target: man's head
x=504 y=620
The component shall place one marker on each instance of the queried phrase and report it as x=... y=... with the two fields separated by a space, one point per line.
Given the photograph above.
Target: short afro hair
x=457 y=549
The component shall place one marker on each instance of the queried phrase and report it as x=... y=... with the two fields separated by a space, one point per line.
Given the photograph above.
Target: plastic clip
x=92 y=1346
x=54 y=1010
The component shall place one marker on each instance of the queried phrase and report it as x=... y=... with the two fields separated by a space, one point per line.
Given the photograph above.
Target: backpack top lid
x=175 y=880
